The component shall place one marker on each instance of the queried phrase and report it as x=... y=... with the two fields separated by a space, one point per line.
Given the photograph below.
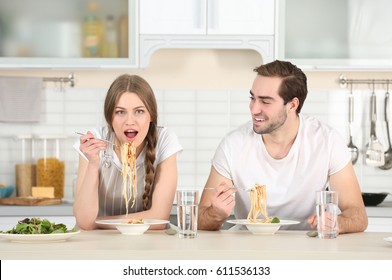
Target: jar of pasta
x=25 y=168
x=50 y=164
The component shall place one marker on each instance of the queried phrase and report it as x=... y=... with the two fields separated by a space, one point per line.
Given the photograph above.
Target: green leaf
x=37 y=226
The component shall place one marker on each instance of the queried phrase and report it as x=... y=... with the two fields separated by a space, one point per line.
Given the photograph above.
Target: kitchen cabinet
x=230 y=17
x=65 y=34
x=379 y=224
x=335 y=34
x=216 y=24
x=380 y=217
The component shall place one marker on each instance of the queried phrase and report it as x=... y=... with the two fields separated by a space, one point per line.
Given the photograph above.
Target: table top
x=223 y=245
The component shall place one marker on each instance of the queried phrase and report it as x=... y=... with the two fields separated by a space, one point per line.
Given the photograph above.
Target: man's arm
x=353 y=217
x=215 y=204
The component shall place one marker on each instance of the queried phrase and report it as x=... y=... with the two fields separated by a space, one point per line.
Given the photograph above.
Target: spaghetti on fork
x=128 y=159
x=258 y=204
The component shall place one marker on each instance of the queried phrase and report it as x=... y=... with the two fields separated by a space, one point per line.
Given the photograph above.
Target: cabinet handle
x=201 y=14
x=212 y=14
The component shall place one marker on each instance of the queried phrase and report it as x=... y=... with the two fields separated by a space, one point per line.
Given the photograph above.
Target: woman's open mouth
x=130 y=134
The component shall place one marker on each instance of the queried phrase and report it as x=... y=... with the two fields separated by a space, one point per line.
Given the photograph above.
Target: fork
x=104 y=140
x=231 y=187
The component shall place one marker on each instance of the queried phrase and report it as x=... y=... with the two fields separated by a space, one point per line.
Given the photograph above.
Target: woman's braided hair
x=136 y=84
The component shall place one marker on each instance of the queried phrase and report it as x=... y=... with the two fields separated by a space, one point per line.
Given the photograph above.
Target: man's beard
x=274 y=125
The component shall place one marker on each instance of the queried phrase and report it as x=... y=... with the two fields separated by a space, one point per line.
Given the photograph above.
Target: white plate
x=131 y=229
x=262 y=228
x=388 y=239
x=39 y=238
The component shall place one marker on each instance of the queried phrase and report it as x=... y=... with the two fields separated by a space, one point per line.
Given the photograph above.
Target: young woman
x=131 y=114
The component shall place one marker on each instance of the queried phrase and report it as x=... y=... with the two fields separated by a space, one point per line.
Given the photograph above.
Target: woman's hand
x=91 y=148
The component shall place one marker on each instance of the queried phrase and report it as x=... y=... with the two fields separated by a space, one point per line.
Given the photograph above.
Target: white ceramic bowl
x=263 y=229
x=132 y=229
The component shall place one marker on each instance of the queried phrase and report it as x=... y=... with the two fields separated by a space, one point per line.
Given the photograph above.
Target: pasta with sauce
x=134 y=222
x=128 y=159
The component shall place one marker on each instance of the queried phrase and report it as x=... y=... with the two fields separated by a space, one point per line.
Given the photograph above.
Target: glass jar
x=25 y=168
x=50 y=165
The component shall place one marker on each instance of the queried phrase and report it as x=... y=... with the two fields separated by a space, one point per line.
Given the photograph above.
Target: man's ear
x=293 y=104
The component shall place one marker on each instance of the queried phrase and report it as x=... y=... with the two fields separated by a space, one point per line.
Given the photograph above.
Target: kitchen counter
x=384 y=210
x=227 y=245
x=63 y=209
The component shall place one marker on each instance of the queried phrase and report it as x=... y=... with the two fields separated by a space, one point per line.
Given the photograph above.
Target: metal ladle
x=352 y=148
x=388 y=153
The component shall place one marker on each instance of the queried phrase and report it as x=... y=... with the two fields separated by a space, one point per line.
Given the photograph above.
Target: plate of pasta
x=258 y=206
x=132 y=226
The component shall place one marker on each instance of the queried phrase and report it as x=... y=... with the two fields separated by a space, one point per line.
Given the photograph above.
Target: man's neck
x=279 y=143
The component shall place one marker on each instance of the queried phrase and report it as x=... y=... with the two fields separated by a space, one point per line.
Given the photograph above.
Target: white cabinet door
x=207 y=24
x=173 y=17
x=245 y=17
x=207 y=17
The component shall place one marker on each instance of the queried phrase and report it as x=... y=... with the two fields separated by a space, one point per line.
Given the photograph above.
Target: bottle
x=25 y=169
x=123 y=36
x=92 y=32
x=110 y=46
x=50 y=164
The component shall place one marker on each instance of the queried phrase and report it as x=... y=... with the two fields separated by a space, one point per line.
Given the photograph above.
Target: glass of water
x=327 y=214
x=187 y=211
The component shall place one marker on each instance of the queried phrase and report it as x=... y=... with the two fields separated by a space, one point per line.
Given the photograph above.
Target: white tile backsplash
x=200 y=118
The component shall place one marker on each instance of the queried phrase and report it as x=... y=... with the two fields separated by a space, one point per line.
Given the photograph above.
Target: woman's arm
x=85 y=207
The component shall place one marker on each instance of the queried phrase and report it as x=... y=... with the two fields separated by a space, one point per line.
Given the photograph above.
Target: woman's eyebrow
x=138 y=107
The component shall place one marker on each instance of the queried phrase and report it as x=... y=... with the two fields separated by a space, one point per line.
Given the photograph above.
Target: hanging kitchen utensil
x=388 y=153
x=352 y=148
x=374 y=149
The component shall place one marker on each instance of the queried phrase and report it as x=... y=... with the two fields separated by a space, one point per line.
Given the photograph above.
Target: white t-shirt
x=318 y=151
x=111 y=201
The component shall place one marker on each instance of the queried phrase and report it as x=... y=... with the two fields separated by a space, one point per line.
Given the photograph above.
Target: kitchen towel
x=20 y=99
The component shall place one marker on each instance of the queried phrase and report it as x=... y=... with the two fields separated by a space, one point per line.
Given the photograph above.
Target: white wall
x=209 y=90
